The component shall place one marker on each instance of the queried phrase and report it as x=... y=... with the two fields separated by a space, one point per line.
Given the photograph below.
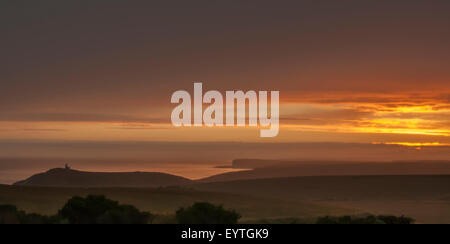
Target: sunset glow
x=370 y=83
x=228 y=112
x=410 y=144
x=335 y=117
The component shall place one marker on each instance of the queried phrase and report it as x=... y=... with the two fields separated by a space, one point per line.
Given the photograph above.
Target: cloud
x=143 y=127
x=131 y=153
x=75 y=117
x=390 y=99
x=45 y=130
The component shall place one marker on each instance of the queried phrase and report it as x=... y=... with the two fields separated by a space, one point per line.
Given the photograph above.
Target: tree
x=393 y=220
x=206 y=213
x=9 y=214
x=100 y=210
x=371 y=219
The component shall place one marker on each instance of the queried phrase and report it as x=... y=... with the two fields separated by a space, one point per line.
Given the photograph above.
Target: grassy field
x=165 y=201
x=341 y=188
x=283 y=200
x=425 y=198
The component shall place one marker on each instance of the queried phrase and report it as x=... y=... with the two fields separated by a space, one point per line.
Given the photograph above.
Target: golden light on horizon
x=401 y=126
x=301 y=118
x=416 y=144
x=336 y=118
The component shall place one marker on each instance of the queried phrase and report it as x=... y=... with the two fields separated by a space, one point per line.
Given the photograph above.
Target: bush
x=9 y=214
x=89 y=210
x=40 y=219
x=365 y=220
x=392 y=220
x=206 y=213
x=100 y=210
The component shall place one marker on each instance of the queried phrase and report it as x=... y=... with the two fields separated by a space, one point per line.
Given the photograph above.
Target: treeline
x=367 y=220
x=78 y=210
x=100 y=210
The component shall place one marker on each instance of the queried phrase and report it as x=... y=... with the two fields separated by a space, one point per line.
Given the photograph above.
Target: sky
x=349 y=72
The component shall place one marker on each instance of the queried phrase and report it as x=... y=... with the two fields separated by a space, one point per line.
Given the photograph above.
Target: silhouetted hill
x=74 y=178
x=261 y=169
x=262 y=163
x=339 y=188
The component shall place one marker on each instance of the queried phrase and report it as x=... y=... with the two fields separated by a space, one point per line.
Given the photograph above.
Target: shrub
x=9 y=214
x=392 y=220
x=100 y=210
x=206 y=213
x=371 y=219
